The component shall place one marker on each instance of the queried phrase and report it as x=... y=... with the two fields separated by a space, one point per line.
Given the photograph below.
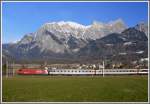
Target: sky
x=21 y=18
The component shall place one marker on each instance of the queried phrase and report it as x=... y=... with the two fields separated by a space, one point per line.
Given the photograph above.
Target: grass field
x=75 y=88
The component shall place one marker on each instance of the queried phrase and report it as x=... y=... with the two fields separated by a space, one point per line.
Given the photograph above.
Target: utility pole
x=103 y=69
x=6 y=69
x=45 y=64
x=13 y=71
x=99 y=66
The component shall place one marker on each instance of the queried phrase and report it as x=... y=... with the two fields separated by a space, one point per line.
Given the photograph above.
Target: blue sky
x=26 y=17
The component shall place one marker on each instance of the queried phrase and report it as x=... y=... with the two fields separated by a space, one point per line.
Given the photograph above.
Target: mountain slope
x=131 y=44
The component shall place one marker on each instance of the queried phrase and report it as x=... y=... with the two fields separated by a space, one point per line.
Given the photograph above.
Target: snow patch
x=122 y=53
x=76 y=50
x=139 y=52
x=127 y=43
x=70 y=23
x=109 y=44
x=123 y=38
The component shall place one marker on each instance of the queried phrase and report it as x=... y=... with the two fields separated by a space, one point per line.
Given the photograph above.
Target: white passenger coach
x=95 y=72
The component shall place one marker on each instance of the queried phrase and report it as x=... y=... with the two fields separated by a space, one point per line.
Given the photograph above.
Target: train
x=31 y=71
x=49 y=71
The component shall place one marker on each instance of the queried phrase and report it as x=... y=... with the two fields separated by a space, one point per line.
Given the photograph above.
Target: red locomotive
x=31 y=71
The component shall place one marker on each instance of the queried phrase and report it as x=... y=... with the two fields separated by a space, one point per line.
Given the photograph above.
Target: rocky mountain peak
x=118 y=21
x=97 y=25
x=67 y=23
x=142 y=27
x=28 y=38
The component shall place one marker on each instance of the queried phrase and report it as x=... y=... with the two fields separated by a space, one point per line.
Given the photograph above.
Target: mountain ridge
x=52 y=42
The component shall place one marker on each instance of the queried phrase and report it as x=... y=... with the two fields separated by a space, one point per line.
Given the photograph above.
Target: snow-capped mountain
x=72 y=40
x=56 y=36
x=95 y=30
